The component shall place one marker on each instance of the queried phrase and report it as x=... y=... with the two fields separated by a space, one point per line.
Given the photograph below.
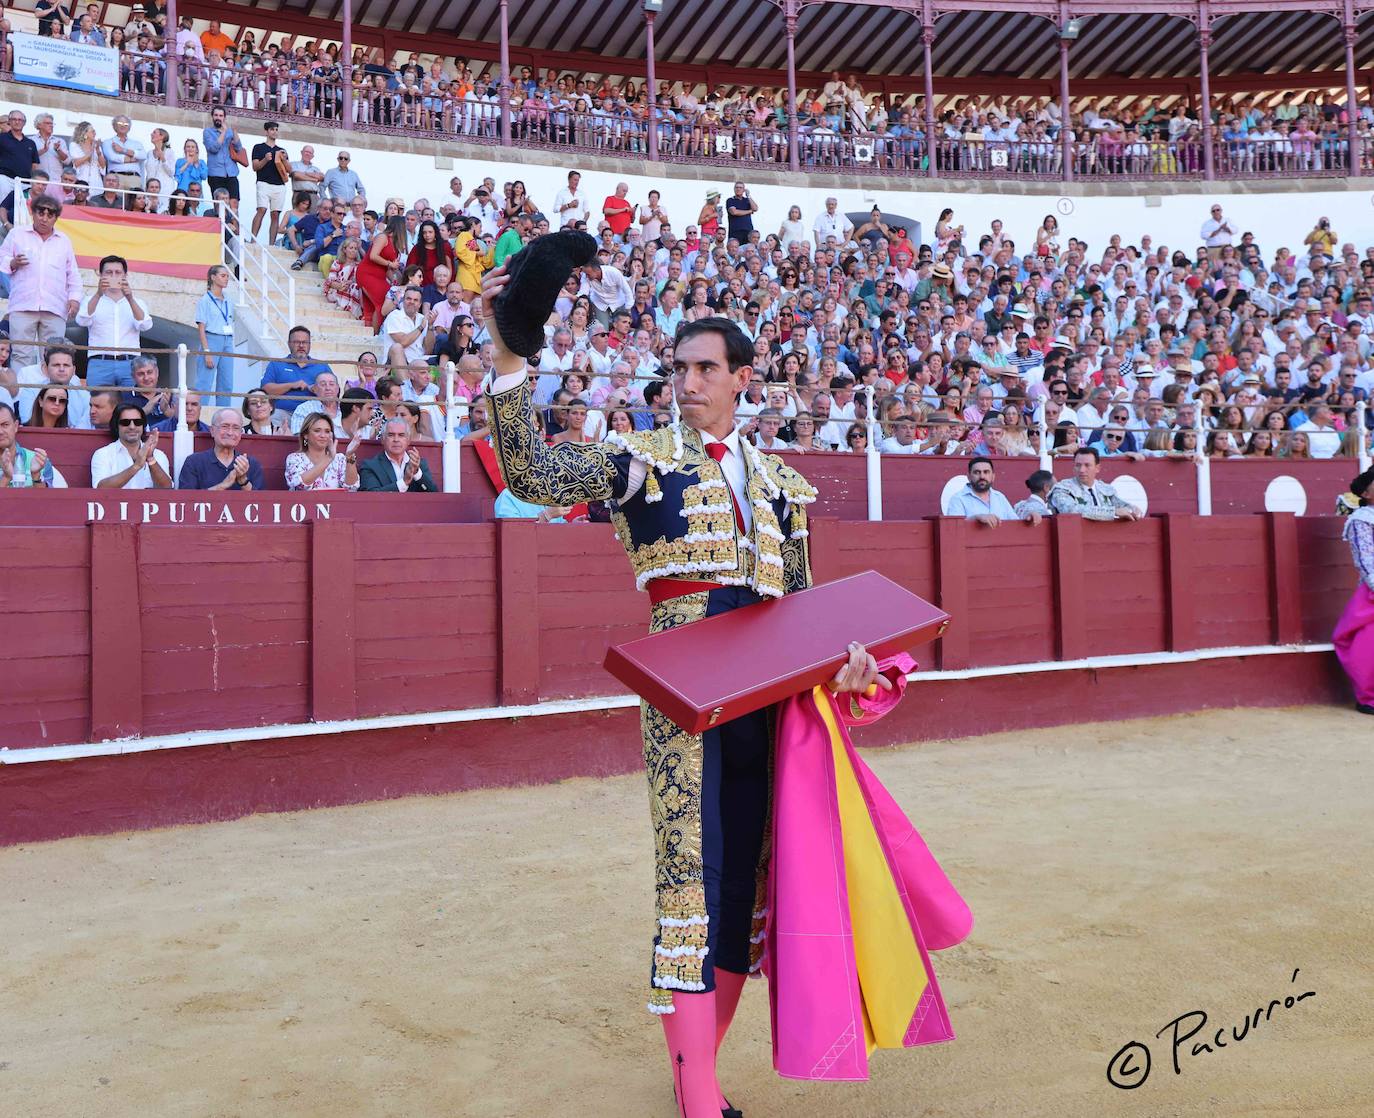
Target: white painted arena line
x=581 y=706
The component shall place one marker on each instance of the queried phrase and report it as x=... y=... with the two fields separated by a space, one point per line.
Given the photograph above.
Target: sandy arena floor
x=483 y=954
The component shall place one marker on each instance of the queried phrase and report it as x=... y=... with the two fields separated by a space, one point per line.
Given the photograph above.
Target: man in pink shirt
x=45 y=282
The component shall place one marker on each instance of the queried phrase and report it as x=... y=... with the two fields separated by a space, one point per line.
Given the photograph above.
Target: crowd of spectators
x=972 y=343
x=839 y=122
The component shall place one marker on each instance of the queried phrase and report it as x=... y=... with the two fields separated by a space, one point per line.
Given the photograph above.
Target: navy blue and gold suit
x=709 y=794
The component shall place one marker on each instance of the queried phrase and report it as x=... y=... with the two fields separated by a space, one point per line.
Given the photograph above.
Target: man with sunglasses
x=132 y=460
x=342 y=184
x=45 y=282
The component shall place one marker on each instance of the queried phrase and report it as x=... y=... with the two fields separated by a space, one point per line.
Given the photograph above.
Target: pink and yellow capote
x=856 y=900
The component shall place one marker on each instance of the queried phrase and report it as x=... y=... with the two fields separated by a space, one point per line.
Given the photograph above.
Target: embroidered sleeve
x=566 y=474
x=1362 y=550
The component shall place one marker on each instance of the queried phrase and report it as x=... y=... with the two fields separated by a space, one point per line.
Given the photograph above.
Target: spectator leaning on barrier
x=219 y=467
x=399 y=468
x=21 y=468
x=115 y=321
x=215 y=311
x=978 y=500
x=132 y=460
x=45 y=282
x=1083 y=495
x=290 y=381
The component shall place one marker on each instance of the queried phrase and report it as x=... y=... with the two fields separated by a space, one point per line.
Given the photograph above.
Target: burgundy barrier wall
x=912 y=484
x=125 y=630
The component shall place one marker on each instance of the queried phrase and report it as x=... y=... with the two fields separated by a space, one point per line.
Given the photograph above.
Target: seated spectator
x=21 y=468
x=318 y=464
x=173 y=420
x=355 y=412
x=49 y=407
x=978 y=500
x=769 y=426
x=1084 y=495
x=1323 y=439
x=289 y=382
x=903 y=437
x=1034 y=507
x=406 y=331
x=326 y=403
x=258 y=415
x=59 y=369
x=132 y=460
x=219 y=468
x=399 y=468
x=110 y=198
x=103 y=403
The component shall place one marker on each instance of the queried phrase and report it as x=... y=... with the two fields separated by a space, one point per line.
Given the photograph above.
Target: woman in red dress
x=373 y=282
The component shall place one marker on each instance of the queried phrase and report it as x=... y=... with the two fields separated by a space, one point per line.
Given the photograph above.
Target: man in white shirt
x=831 y=223
x=486 y=211
x=770 y=423
x=607 y=288
x=1216 y=233
x=131 y=461
x=555 y=359
x=903 y=438
x=115 y=319
x=123 y=156
x=569 y=206
x=1323 y=440
x=406 y=330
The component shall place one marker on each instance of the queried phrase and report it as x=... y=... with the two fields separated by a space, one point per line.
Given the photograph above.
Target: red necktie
x=718 y=451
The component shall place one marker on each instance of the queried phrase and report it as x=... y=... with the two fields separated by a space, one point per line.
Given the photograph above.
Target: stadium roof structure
x=974 y=45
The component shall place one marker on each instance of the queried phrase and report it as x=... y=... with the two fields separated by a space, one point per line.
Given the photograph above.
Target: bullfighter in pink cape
x=1354 y=635
x=712 y=525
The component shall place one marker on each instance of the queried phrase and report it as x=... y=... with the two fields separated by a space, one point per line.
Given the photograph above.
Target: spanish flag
x=152 y=243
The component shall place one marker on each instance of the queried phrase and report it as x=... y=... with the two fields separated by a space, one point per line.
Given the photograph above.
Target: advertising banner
x=65 y=64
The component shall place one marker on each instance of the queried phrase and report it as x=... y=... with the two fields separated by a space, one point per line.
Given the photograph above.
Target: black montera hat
x=537 y=275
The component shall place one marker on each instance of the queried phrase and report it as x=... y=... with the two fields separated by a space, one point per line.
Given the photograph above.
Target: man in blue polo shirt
x=289 y=382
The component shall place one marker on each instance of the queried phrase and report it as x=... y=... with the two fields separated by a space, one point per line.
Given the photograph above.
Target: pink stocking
x=729 y=986
x=690 y=1031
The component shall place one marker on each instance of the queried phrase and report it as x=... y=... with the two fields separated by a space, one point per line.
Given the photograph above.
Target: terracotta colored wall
x=153 y=629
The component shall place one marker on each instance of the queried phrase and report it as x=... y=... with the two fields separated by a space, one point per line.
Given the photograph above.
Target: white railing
x=265 y=288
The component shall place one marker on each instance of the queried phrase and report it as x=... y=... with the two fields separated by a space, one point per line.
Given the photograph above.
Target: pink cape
x=820 y=1011
x=1354 y=641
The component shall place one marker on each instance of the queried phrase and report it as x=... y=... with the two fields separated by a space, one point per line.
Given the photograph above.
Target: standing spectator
x=386 y=249
x=52 y=152
x=740 y=209
x=569 y=206
x=341 y=183
x=607 y=288
x=273 y=168
x=305 y=176
x=1216 y=233
x=224 y=153
x=399 y=468
x=19 y=159
x=618 y=211
x=213 y=38
x=830 y=223
x=21 y=468
x=45 y=283
x=513 y=239
x=123 y=156
x=114 y=318
x=978 y=500
x=289 y=381
x=85 y=31
x=219 y=468
x=132 y=460
x=1083 y=495
x=485 y=212
x=215 y=322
